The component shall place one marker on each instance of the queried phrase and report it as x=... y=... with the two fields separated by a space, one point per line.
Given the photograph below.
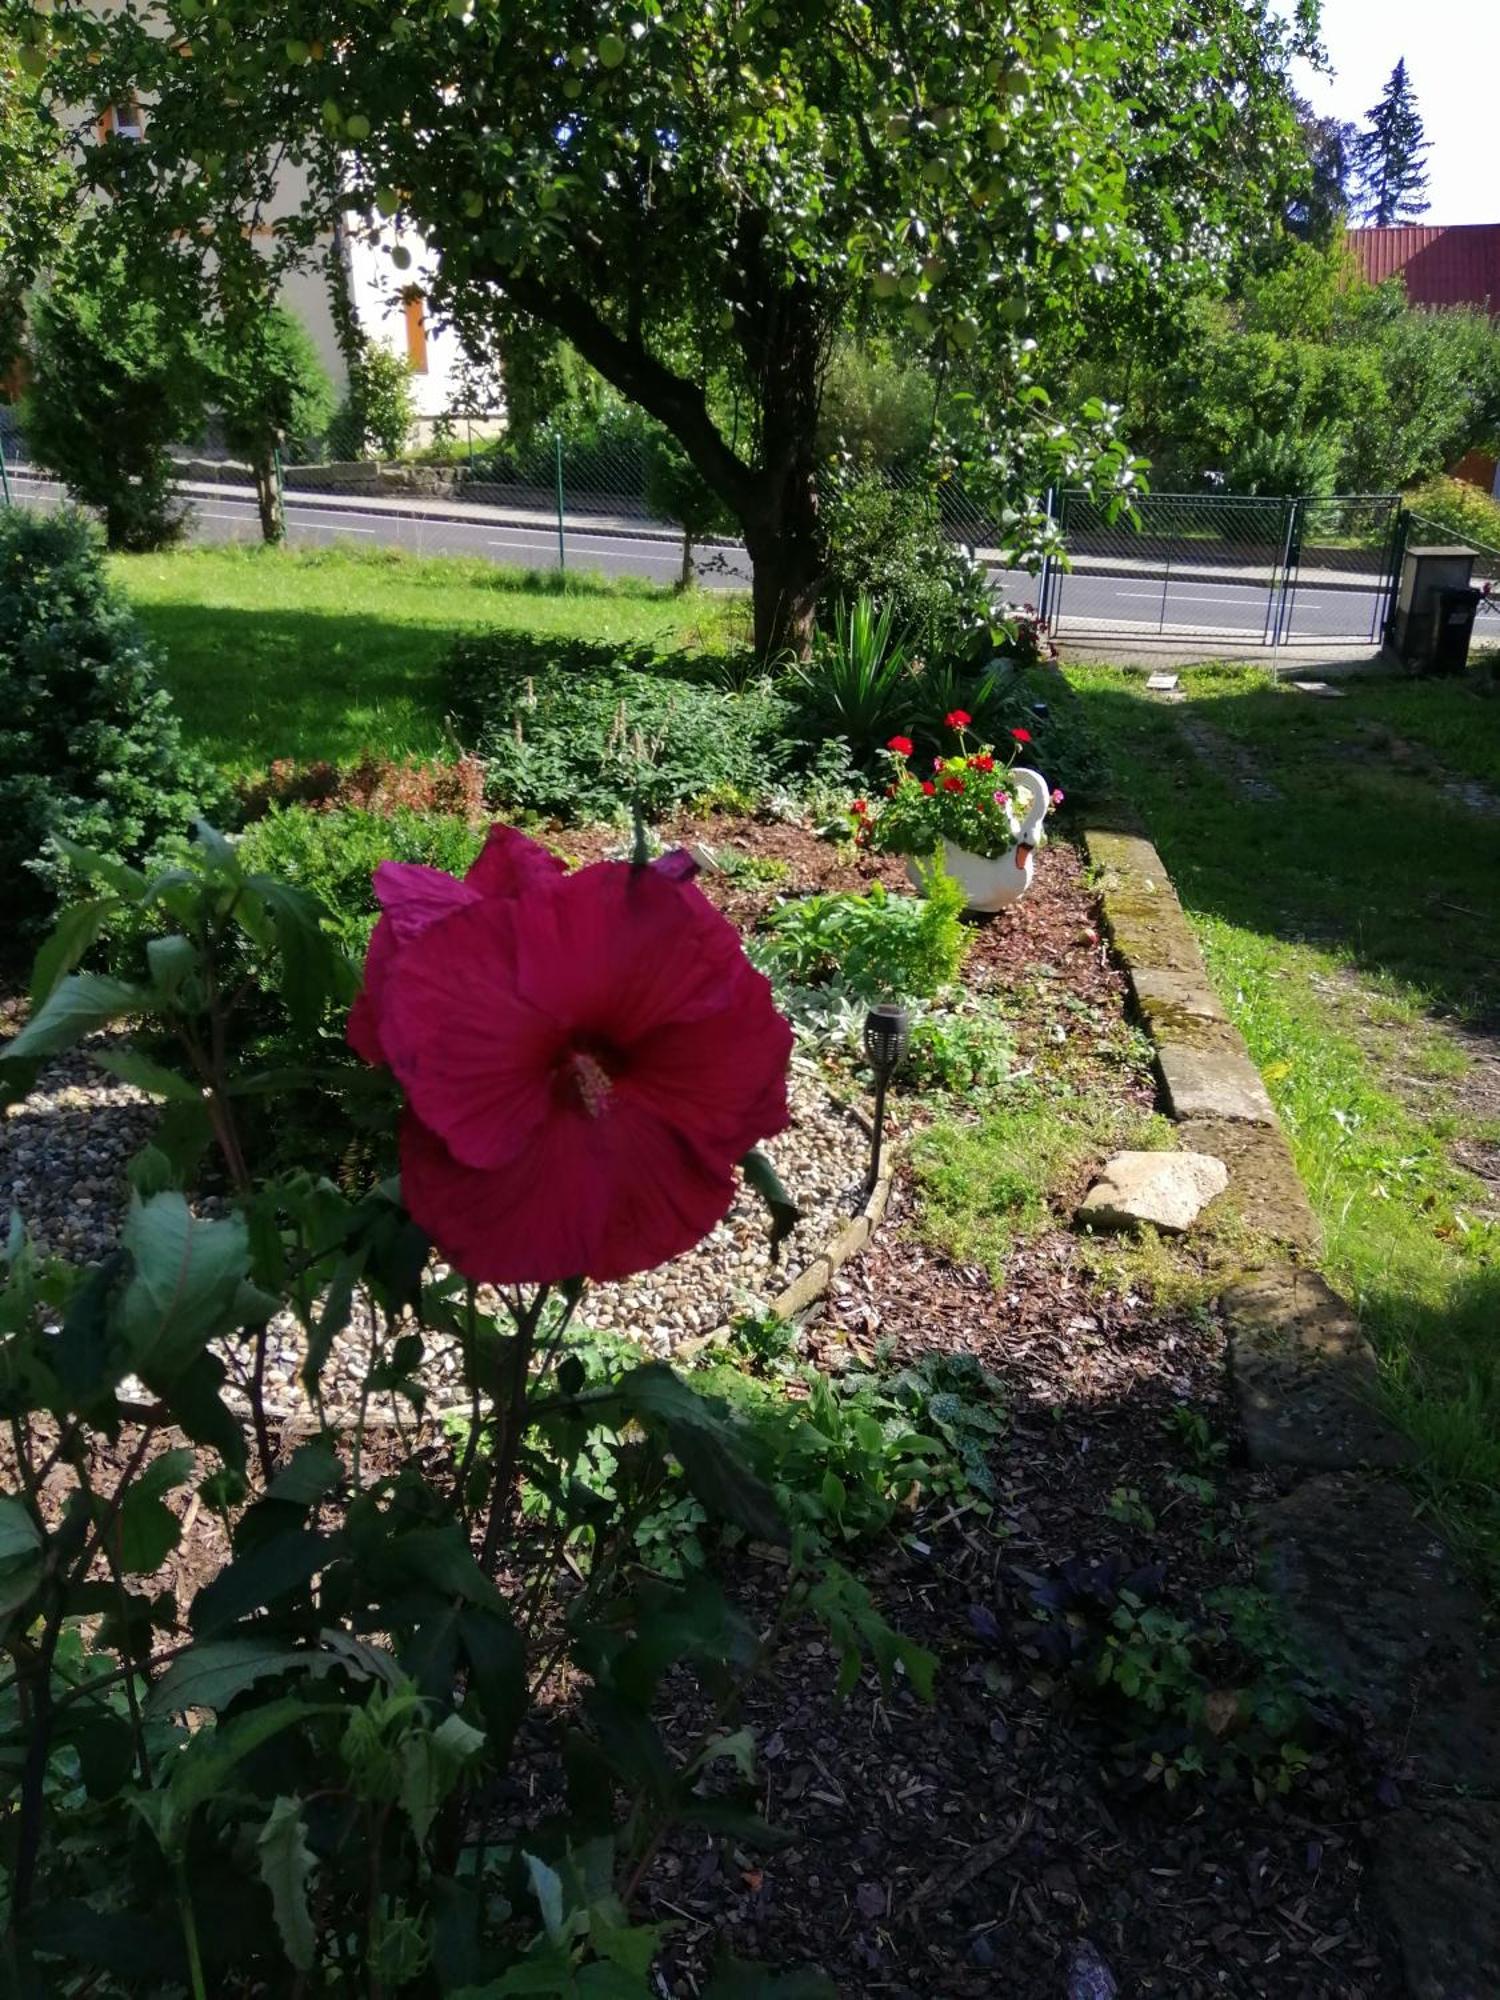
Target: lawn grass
x=328 y=653
x=1349 y=922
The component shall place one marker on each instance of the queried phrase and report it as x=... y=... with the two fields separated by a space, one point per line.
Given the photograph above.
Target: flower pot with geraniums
x=978 y=814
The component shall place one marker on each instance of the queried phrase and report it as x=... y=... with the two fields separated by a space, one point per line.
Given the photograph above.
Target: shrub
x=889 y=546
x=271 y=390
x=878 y=946
x=1458 y=509
x=89 y=744
x=587 y=745
x=333 y=854
x=114 y=383
x=379 y=412
x=858 y=683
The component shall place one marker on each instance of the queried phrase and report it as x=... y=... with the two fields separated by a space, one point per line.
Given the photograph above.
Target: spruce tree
x=1390 y=156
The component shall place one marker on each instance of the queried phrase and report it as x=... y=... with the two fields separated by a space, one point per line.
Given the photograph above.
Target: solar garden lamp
x=887 y=1036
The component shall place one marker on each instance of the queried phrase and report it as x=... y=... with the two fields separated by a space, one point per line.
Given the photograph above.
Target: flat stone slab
x=1305 y=1376
x=1160 y=994
x=1213 y=1083
x=1438 y=1871
x=1167 y=1190
x=1265 y=1190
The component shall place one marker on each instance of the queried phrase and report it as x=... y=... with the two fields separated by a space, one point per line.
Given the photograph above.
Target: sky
x=1452 y=50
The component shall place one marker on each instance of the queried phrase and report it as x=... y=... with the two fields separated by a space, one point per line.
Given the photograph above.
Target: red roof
x=1441 y=267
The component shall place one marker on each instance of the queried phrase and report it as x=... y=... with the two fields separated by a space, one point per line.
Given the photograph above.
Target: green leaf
x=147 y=1530
x=708 y=1447
x=313 y=969
x=286 y=1863
x=431 y=1761
x=546 y=1886
x=75 y=930
x=188 y=1272
x=763 y=1178
x=604 y=1981
x=256 y=1581
x=19 y=1534
x=312 y=1472
x=497 y=1671
x=75 y=1007
x=148 y=1076
x=118 y=875
x=173 y=961
x=338 y=1304
x=211 y=1674
x=205 y=1763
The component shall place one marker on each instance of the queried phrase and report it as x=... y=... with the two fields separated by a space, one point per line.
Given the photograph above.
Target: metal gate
x=1268 y=572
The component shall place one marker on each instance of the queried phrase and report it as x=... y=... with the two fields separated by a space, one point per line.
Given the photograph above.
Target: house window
x=122 y=120
x=414 y=307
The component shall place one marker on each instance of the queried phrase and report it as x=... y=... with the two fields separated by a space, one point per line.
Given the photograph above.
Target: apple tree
x=701 y=196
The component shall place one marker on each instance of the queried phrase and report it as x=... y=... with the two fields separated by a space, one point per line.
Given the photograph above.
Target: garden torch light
x=887 y=1032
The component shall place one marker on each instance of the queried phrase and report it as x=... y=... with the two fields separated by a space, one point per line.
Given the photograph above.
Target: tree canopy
x=701 y=196
x=1390 y=156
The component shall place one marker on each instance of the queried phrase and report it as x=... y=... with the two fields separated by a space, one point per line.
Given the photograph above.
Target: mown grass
x=329 y=653
x=1350 y=924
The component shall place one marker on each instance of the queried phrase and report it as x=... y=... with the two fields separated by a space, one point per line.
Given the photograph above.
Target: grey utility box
x=1415 y=626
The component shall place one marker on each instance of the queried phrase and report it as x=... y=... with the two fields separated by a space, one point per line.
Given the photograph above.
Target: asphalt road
x=1140 y=604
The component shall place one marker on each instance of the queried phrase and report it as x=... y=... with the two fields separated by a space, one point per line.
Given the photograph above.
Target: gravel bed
x=63 y=1154
x=64 y=1150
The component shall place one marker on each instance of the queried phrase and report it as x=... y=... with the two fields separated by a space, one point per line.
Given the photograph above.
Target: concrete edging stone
x=1367 y=1584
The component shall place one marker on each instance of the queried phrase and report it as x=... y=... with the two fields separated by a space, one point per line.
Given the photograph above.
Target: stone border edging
x=1369 y=1589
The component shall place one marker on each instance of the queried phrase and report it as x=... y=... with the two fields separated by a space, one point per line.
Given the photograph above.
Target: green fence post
x=5 y=492
x=562 y=547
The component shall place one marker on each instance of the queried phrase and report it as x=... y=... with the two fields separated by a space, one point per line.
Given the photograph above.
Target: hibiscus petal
x=600 y=1198
x=510 y=863
x=721 y=1079
x=415 y=896
x=476 y=1061
x=617 y=951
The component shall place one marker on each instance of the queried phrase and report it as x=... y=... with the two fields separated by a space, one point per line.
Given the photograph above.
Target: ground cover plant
x=1356 y=960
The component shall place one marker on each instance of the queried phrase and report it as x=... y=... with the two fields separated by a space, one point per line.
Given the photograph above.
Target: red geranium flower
x=928 y=787
x=901 y=745
x=585 y=1058
x=958 y=718
x=953 y=784
x=1021 y=735
x=860 y=806
x=982 y=763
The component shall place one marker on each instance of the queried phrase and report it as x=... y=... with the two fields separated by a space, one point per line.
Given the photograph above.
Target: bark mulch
x=994 y=1841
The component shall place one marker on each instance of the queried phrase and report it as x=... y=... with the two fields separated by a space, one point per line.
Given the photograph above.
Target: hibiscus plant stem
x=527 y=1317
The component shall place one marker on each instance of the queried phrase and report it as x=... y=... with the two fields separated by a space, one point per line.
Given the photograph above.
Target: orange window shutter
x=416 y=332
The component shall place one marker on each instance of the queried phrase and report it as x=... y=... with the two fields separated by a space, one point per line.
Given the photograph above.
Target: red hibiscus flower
x=928 y=787
x=585 y=1059
x=953 y=784
x=958 y=718
x=901 y=745
x=859 y=806
x=982 y=763
x=1021 y=735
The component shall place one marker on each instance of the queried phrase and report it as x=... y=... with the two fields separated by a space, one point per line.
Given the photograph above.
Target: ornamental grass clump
x=970 y=799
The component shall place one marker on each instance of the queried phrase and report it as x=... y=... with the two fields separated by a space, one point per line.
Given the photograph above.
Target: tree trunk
x=268 y=500
x=786 y=556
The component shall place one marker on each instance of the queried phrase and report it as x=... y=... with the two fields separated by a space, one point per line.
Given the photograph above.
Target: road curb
x=1370 y=1590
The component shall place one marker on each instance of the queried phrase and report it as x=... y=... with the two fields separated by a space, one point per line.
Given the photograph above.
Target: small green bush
x=878 y=946
x=89 y=742
x=581 y=738
x=890 y=546
x=332 y=855
x=1460 y=509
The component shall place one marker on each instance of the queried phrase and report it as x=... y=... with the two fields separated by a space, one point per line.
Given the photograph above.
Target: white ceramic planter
x=989 y=882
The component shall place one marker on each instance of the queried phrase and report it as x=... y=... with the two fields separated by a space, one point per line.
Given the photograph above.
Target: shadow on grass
x=251 y=686
x=1347 y=850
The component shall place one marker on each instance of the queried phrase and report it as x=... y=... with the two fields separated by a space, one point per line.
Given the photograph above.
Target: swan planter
x=988 y=881
x=978 y=816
